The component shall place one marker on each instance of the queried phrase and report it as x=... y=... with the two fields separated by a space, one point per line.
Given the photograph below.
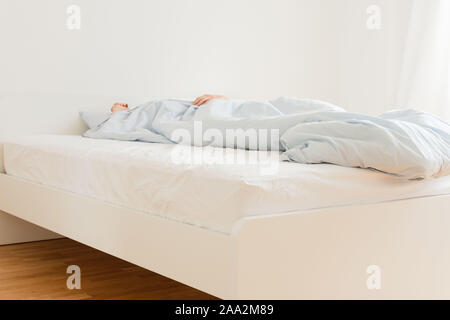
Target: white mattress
x=142 y=176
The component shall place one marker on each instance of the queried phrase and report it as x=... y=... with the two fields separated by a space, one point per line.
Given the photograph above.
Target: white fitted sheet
x=142 y=176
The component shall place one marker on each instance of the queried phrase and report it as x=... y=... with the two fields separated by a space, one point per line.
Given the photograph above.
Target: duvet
x=409 y=144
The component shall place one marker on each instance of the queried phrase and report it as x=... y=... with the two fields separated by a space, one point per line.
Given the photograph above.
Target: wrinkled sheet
x=409 y=144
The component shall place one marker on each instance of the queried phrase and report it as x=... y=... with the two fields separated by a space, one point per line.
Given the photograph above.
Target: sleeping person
x=204 y=99
x=409 y=144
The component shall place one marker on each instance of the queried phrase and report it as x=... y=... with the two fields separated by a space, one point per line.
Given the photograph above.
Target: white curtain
x=425 y=70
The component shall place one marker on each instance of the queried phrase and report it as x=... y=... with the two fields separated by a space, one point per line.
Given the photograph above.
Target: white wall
x=369 y=61
x=178 y=48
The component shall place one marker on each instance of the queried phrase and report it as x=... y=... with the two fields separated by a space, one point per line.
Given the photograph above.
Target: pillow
x=94 y=119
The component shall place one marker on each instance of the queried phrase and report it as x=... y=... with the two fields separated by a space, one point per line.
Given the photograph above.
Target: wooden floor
x=37 y=270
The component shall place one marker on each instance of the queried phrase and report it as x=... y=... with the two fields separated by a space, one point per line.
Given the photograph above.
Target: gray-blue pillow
x=94 y=119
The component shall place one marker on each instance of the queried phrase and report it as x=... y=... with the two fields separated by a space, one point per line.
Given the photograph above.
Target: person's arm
x=207 y=98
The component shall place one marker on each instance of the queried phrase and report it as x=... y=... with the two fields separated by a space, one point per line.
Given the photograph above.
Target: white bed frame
x=310 y=255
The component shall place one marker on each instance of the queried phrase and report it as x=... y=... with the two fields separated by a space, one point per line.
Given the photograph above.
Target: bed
x=305 y=232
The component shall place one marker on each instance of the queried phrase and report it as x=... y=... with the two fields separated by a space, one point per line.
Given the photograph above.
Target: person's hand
x=119 y=107
x=207 y=98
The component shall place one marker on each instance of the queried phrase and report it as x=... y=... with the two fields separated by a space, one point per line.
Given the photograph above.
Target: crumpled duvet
x=409 y=144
